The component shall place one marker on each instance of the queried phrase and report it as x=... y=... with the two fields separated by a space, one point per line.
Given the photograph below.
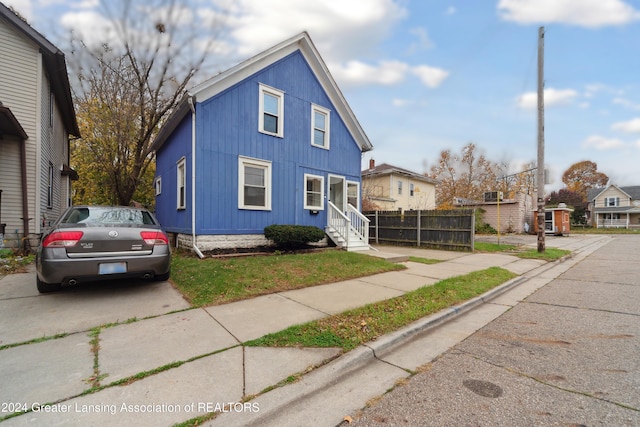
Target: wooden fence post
x=473 y=231
x=418 y=224
x=376 y=227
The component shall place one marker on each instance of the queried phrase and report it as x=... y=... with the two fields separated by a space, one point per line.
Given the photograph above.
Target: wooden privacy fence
x=435 y=229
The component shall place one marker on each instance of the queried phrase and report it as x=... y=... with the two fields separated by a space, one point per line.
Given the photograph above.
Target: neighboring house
x=387 y=187
x=512 y=215
x=269 y=141
x=615 y=207
x=37 y=118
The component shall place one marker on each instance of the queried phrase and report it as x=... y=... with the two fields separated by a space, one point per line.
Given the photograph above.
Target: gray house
x=37 y=119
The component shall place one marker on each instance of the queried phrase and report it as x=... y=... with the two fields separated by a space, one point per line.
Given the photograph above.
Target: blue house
x=269 y=141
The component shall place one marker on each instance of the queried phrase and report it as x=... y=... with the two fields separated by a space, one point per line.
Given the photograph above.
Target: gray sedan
x=89 y=243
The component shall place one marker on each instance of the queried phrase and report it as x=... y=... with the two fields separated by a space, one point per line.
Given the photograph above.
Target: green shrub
x=293 y=236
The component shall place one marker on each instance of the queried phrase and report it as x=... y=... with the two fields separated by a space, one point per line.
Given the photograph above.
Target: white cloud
x=341 y=30
x=430 y=76
x=360 y=73
x=626 y=103
x=23 y=7
x=92 y=27
x=386 y=73
x=601 y=143
x=552 y=97
x=451 y=10
x=584 y=13
x=630 y=126
x=401 y=102
x=424 y=41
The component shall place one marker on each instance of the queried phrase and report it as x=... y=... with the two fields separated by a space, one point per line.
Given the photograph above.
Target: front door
x=337 y=193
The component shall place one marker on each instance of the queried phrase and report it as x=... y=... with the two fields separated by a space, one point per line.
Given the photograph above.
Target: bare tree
x=129 y=83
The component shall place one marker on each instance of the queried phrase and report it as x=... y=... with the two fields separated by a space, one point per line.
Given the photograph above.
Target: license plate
x=112 y=268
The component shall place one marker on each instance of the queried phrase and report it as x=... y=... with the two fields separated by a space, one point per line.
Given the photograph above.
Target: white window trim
x=158 y=185
x=399 y=188
x=358 y=201
x=327 y=130
x=278 y=94
x=248 y=161
x=181 y=165
x=310 y=207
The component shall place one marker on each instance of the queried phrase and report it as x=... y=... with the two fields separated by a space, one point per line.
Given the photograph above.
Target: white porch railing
x=359 y=223
x=612 y=223
x=352 y=226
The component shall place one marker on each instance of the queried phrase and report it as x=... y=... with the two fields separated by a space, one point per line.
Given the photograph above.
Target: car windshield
x=100 y=216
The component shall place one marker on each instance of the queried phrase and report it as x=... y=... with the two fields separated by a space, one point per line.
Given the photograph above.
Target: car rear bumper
x=53 y=266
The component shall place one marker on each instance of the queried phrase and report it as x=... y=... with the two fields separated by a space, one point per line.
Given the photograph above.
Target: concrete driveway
x=25 y=314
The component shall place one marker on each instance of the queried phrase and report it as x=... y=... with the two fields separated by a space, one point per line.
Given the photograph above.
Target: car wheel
x=44 y=288
x=162 y=277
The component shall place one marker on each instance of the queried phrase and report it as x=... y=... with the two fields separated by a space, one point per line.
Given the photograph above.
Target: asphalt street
x=567 y=355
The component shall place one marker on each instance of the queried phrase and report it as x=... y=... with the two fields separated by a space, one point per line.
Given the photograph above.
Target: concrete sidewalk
x=204 y=367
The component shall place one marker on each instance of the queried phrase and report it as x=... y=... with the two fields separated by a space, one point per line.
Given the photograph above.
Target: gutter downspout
x=25 y=245
x=191 y=100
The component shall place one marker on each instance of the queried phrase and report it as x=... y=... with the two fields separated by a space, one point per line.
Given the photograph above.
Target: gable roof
x=301 y=42
x=632 y=191
x=387 y=169
x=55 y=65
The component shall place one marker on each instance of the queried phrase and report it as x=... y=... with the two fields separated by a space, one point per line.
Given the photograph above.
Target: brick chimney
x=372 y=164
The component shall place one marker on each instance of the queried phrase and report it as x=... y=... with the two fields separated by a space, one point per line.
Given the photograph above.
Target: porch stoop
x=356 y=243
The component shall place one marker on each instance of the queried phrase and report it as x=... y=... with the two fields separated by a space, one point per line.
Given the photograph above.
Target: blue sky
x=427 y=75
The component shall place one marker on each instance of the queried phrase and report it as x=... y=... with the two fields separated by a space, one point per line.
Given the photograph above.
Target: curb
x=399 y=337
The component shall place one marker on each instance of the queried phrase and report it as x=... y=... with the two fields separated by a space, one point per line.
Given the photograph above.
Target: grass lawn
x=549 y=254
x=355 y=327
x=424 y=260
x=212 y=281
x=576 y=229
x=492 y=247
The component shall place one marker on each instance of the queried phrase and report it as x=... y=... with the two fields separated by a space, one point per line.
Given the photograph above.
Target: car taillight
x=154 y=237
x=62 y=239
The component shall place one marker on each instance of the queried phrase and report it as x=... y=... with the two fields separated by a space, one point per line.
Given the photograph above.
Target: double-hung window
x=399 y=188
x=320 y=127
x=411 y=189
x=271 y=119
x=254 y=184
x=313 y=192
x=181 y=202
x=611 y=201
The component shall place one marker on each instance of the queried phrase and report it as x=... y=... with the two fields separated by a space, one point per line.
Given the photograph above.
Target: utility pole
x=541 y=180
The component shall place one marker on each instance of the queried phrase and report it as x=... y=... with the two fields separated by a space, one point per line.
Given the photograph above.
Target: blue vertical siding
x=227 y=127
x=177 y=147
